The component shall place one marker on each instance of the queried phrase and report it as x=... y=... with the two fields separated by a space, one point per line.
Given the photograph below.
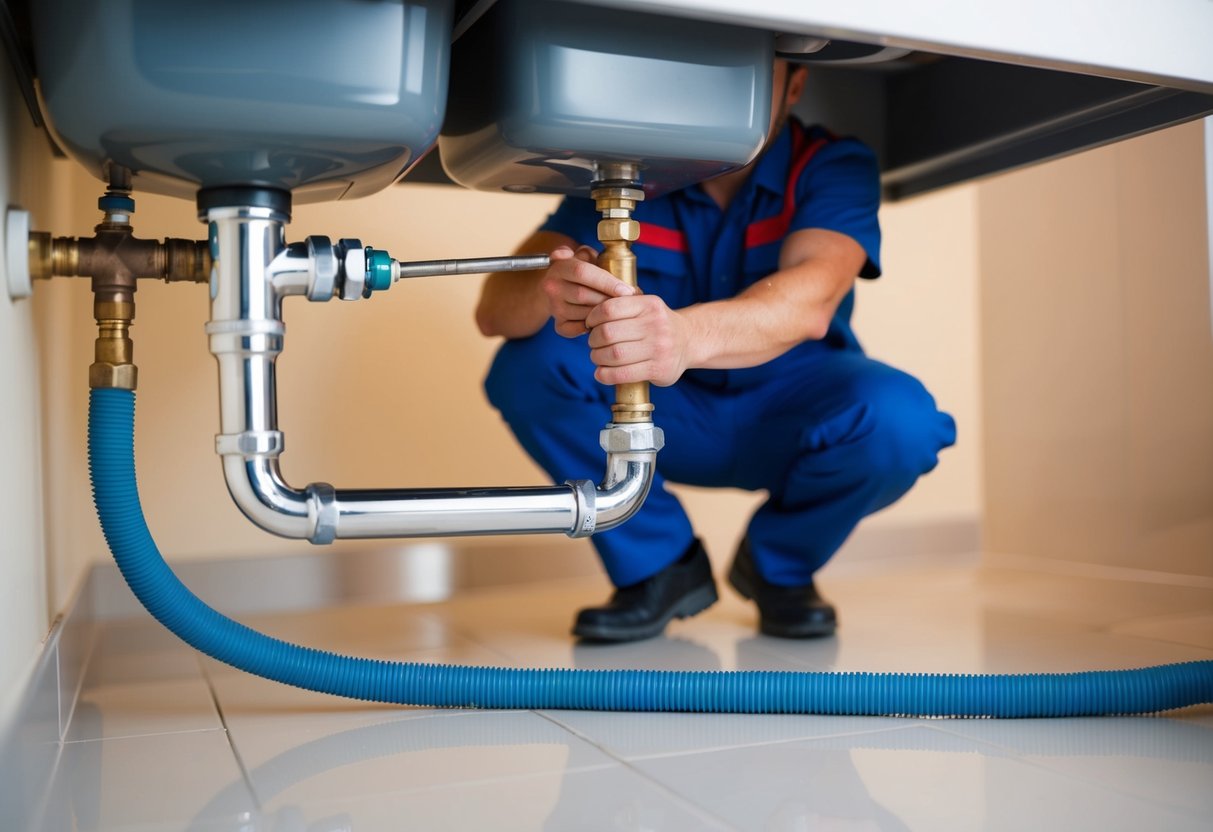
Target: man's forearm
x=511 y=305
x=790 y=307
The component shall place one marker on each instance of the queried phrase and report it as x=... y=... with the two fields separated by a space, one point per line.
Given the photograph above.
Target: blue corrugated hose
x=112 y=464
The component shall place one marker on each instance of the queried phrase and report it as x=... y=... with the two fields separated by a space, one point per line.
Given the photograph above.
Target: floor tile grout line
x=44 y=799
x=660 y=786
x=458 y=630
x=717 y=749
x=143 y=736
x=231 y=741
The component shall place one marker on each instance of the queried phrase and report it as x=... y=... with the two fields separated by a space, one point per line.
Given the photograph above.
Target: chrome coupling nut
x=634 y=437
x=353 y=269
x=322 y=511
x=324 y=268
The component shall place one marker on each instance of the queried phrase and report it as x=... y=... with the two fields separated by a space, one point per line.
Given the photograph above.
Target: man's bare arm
x=639 y=338
x=817 y=268
x=511 y=303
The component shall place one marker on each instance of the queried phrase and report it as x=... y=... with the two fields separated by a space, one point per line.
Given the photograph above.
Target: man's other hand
x=638 y=338
x=633 y=337
x=574 y=286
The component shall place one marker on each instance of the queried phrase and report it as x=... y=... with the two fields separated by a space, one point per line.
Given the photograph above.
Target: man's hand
x=633 y=337
x=638 y=338
x=574 y=286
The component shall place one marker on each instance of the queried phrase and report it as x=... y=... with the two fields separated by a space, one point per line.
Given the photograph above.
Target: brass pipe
x=115 y=251
x=616 y=198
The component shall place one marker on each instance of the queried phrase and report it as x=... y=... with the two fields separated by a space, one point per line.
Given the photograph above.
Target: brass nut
x=609 y=230
x=40 y=257
x=630 y=194
x=115 y=310
x=121 y=376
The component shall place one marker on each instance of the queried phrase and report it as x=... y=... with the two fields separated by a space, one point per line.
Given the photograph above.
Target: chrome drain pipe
x=254 y=270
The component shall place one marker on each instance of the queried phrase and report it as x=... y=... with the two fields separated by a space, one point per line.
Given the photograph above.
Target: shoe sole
x=745 y=589
x=693 y=603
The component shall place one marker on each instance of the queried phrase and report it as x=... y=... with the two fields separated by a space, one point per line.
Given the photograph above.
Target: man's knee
x=907 y=430
x=531 y=374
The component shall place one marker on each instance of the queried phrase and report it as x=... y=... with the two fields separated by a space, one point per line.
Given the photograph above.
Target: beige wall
x=1098 y=357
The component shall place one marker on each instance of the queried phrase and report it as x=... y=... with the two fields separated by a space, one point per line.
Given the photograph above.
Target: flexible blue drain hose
x=112 y=465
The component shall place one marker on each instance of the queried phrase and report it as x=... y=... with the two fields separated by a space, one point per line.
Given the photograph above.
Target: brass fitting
x=114 y=258
x=616 y=197
x=113 y=351
x=115 y=250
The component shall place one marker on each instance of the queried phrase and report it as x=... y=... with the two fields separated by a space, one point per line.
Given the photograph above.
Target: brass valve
x=616 y=194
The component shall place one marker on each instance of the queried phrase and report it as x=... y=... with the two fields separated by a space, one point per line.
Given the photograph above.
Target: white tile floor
x=162 y=740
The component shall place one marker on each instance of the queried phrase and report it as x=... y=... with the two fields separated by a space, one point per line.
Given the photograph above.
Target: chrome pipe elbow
x=257 y=488
x=631 y=449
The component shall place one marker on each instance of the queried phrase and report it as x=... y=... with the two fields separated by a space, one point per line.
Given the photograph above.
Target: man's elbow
x=817 y=326
x=486 y=321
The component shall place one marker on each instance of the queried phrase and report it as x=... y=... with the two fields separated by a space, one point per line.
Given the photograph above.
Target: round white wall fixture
x=16 y=254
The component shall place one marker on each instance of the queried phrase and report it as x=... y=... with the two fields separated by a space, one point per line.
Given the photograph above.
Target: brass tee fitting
x=115 y=258
x=616 y=194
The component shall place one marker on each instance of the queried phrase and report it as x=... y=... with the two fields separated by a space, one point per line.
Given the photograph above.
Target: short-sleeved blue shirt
x=690 y=251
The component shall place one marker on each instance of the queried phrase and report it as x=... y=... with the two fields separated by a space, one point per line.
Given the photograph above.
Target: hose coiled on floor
x=112 y=467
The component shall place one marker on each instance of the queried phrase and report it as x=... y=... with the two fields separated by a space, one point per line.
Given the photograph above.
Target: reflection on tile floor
x=162 y=739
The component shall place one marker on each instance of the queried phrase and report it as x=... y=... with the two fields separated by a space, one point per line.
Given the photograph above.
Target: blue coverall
x=831 y=434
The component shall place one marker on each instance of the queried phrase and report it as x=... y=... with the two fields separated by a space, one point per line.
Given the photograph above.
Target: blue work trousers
x=829 y=433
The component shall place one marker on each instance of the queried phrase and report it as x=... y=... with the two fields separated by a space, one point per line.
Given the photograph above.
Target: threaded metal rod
x=474 y=265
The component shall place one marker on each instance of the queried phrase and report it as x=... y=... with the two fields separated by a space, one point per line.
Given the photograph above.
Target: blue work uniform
x=829 y=433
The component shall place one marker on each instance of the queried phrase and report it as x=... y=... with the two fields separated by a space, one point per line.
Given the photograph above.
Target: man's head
x=787 y=86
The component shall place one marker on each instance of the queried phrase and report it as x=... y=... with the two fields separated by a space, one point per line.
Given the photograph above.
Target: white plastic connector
x=16 y=254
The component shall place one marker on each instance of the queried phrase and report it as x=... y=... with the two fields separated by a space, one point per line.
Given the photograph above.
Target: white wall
x=23 y=600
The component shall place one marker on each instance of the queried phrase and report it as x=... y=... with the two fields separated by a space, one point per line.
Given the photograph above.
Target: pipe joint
x=250 y=443
x=631 y=436
x=322 y=512
x=587 y=515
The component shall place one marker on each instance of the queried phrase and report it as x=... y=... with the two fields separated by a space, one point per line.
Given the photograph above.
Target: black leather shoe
x=784 y=611
x=682 y=589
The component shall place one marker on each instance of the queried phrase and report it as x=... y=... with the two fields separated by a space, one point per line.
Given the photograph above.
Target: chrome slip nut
x=324 y=268
x=249 y=443
x=638 y=436
x=353 y=269
x=322 y=511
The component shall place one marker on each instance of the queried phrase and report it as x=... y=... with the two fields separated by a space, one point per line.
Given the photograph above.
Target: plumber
x=743 y=328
